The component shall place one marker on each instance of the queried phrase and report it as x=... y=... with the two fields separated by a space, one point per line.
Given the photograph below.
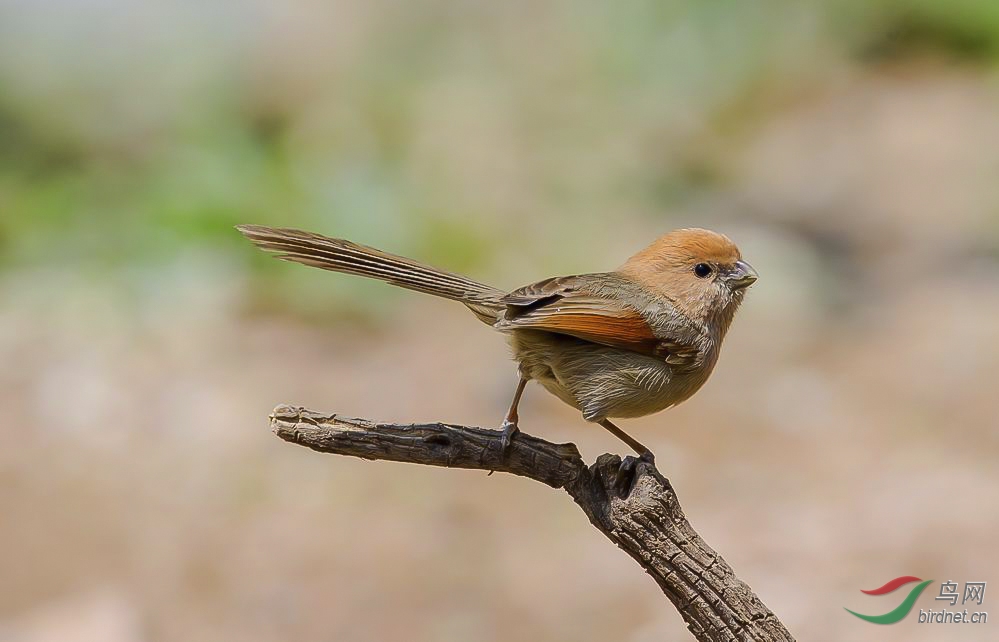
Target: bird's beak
x=742 y=276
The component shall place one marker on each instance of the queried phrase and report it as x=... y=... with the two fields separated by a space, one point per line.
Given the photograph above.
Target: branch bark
x=629 y=501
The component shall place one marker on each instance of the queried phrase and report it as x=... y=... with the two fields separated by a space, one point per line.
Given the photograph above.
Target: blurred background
x=848 y=436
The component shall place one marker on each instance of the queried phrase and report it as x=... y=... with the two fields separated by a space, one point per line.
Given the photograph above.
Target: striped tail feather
x=340 y=255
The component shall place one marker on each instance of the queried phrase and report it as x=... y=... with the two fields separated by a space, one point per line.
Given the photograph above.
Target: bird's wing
x=568 y=305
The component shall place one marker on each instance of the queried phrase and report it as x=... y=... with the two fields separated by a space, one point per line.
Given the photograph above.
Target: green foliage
x=423 y=129
x=892 y=29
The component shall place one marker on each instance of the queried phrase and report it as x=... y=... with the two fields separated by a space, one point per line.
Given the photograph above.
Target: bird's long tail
x=340 y=255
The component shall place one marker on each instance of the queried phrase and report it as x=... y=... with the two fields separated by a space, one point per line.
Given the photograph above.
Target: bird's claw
x=625 y=476
x=509 y=429
x=624 y=479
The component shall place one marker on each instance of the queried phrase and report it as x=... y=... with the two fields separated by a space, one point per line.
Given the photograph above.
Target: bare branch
x=628 y=501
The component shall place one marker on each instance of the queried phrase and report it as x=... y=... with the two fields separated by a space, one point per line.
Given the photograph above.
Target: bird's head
x=701 y=272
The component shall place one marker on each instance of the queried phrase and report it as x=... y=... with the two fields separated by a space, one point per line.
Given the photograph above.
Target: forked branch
x=628 y=501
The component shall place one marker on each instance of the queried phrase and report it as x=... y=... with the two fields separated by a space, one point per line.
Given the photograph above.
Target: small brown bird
x=626 y=343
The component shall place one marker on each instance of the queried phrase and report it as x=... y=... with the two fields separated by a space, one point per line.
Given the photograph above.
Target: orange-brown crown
x=685 y=247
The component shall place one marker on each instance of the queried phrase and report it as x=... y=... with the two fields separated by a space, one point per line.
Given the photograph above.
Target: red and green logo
x=900 y=611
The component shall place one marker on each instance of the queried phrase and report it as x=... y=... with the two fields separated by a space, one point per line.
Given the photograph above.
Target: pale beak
x=742 y=276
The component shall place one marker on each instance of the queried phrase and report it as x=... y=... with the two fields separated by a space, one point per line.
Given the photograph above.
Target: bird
x=620 y=344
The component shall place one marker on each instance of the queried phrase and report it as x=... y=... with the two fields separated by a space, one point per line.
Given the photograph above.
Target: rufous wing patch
x=562 y=305
x=625 y=329
x=589 y=318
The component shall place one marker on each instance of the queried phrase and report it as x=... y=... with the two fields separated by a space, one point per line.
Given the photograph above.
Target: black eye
x=702 y=270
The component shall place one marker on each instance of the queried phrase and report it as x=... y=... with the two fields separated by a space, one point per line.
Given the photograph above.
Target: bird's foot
x=628 y=469
x=625 y=476
x=509 y=429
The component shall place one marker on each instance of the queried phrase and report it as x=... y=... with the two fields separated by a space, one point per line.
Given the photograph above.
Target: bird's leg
x=643 y=453
x=510 y=427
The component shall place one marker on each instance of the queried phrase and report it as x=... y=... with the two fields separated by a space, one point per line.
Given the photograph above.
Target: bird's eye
x=702 y=270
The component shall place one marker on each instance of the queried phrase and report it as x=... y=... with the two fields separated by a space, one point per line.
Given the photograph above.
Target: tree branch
x=628 y=501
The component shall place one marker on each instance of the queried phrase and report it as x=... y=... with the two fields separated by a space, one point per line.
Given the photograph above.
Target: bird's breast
x=608 y=382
